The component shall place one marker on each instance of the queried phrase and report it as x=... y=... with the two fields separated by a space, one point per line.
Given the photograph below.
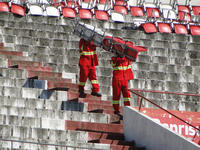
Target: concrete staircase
x=37 y=105
x=38 y=82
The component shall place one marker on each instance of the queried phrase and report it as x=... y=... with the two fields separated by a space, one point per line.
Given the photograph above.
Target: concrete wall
x=146 y=132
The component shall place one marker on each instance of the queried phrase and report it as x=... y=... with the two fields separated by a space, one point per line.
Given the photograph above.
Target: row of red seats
x=71 y=9
x=178 y=28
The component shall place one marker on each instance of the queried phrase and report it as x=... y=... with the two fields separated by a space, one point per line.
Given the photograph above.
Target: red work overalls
x=88 y=61
x=122 y=72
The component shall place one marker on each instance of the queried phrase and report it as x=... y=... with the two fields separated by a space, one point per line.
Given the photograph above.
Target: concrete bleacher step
x=44 y=135
x=28 y=65
x=105 y=133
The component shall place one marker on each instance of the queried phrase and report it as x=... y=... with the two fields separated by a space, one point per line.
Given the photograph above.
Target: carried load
x=108 y=42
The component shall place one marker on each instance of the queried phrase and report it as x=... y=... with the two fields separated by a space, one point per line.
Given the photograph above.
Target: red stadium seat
x=69 y=12
x=184 y=8
x=164 y=27
x=121 y=9
x=195 y=29
x=102 y=15
x=184 y=16
x=104 y=1
x=72 y=4
x=107 y=43
x=18 y=10
x=133 y=51
x=153 y=12
x=196 y=10
x=4 y=7
x=149 y=27
x=137 y=11
x=85 y=14
x=121 y=2
x=180 y=29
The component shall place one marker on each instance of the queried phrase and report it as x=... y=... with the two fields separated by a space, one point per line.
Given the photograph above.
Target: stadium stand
x=39 y=103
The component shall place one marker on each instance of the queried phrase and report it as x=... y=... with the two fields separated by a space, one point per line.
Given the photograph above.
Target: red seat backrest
x=164 y=28
x=137 y=11
x=180 y=29
x=4 y=7
x=196 y=10
x=121 y=2
x=149 y=27
x=85 y=13
x=102 y=15
x=183 y=16
x=121 y=9
x=195 y=30
x=184 y=8
x=17 y=9
x=69 y=12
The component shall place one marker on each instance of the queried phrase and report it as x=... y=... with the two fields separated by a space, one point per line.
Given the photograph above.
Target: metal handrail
x=165 y=92
x=142 y=97
x=37 y=143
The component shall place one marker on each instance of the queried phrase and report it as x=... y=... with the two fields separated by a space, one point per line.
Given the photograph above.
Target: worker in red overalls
x=122 y=73
x=88 y=61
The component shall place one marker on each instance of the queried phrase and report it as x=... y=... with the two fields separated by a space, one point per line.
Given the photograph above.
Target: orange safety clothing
x=122 y=73
x=88 y=61
x=88 y=56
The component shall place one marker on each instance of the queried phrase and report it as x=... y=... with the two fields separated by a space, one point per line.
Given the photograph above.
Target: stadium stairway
x=39 y=105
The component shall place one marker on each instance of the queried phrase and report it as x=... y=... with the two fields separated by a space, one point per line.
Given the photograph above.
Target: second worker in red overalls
x=122 y=73
x=88 y=61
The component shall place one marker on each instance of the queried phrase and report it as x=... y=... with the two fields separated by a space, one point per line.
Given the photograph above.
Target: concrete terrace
x=39 y=78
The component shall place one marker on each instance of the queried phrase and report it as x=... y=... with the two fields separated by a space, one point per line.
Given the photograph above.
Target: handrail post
x=140 y=103
x=11 y=144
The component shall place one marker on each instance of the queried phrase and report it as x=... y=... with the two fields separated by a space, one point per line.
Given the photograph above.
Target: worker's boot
x=96 y=94
x=82 y=94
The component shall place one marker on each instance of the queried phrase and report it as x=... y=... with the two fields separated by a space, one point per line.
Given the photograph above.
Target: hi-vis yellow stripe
x=87 y=53
x=94 y=81
x=122 y=67
x=115 y=101
x=82 y=83
x=126 y=98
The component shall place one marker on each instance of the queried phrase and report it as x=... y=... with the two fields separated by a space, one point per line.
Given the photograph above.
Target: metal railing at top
x=134 y=91
x=44 y=144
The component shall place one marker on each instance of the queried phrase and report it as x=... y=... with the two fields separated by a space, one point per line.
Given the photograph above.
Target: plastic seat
x=72 y=4
x=169 y=14
x=184 y=16
x=164 y=27
x=184 y=8
x=85 y=14
x=137 y=11
x=153 y=12
x=35 y=10
x=117 y=17
x=103 y=7
x=102 y=15
x=121 y=2
x=165 y=6
x=149 y=27
x=121 y=9
x=107 y=43
x=131 y=52
x=17 y=9
x=195 y=29
x=4 y=7
x=69 y=12
x=180 y=29
x=196 y=10
x=104 y=1
x=52 y=11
